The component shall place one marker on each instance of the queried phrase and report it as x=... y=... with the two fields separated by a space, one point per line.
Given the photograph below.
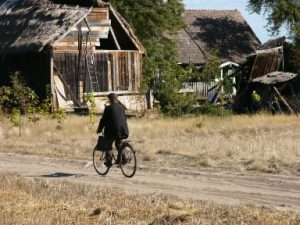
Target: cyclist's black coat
x=114 y=122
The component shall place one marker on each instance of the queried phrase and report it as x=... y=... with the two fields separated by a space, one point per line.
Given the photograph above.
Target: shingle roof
x=25 y=27
x=225 y=30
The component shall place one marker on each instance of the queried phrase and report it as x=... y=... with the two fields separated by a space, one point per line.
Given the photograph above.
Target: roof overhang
x=275 y=78
x=229 y=63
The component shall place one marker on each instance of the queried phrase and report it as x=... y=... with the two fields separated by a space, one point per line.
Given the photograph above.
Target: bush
x=91 y=103
x=213 y=110
x=166 y=91
x=18 y=96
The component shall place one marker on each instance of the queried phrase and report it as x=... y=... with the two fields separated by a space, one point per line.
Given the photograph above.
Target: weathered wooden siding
x=115 y=70
x=99 y=25
x=266 y=61
x=200 y=88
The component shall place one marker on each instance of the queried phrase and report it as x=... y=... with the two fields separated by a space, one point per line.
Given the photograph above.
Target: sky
x=257 y=22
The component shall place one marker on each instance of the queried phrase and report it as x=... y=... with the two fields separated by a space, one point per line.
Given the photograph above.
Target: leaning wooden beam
x=87 y=24
x=213 y=87
x=115 y=38
x=74 y=99
x=283 y=100
x=126 y=27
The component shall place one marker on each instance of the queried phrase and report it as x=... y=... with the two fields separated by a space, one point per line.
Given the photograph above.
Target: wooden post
x=283 y=100
x=109 y=77
x=52 y=86
x=81 y=91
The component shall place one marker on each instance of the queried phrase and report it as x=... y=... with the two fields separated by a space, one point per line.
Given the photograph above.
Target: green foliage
x=15 y=117
x=211 y=69
x=152 y=22
x=166 y=91
x=213 y=110
x=18 y=99
x=18 y=96
x=45 y=106
x=60 y=116
x=278 y=13
x=90 y=99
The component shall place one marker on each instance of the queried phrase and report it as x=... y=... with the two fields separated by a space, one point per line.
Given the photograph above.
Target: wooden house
x=74 y=49
x=223 y=30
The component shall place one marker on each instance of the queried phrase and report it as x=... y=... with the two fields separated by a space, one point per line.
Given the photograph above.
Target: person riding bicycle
x=115 y=126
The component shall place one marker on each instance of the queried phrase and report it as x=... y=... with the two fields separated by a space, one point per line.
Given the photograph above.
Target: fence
x=200 y=88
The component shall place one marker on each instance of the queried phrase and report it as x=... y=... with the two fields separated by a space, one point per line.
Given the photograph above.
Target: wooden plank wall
x=200 y=88
x=99 y=23
x=265 y=63
x=116 y=70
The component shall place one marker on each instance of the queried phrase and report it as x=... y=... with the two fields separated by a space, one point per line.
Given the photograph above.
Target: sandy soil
x=277 y=191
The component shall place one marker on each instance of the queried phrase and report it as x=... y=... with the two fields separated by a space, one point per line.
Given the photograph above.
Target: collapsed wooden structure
x=76 y=50
x=263 y=73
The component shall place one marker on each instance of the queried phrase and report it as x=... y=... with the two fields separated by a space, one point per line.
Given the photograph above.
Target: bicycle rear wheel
x=128 y=160
x=98 y=162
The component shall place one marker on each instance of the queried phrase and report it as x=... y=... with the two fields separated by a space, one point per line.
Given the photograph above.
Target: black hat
x=112 y=96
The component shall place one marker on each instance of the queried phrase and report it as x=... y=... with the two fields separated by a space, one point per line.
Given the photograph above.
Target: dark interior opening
x=107 y=43
x=34 y=69
x=123 y=38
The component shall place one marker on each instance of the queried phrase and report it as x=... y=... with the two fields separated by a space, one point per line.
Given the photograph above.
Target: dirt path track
x=278 y=191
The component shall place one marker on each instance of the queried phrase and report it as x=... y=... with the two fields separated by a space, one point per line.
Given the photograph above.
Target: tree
x=280 y=13
x=166 y=91
x=152 y=21
x=211 y=69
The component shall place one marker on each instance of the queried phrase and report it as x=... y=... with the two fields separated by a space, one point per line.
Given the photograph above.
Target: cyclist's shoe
x=108 y=162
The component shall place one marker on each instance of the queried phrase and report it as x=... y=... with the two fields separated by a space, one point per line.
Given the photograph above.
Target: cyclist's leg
x=118 y=143
x=109 y=152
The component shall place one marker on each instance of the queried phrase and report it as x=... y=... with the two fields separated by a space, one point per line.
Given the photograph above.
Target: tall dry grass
x=38 y=202
x=263 y=142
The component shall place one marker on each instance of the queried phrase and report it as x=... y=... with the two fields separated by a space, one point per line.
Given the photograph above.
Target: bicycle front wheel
x=128 y=160
x=99 y=160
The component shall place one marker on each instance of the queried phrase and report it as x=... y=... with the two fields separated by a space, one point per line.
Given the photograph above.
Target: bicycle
x=127 y=162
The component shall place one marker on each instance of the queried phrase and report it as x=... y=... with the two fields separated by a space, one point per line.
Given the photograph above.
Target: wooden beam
x=115 y=38
x=109 y=77
x=52 y=86
x=71 y=27
x=283 y=100
x=73 y=97
x=88 y=26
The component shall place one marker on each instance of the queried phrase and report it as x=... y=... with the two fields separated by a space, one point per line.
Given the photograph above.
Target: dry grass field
x=38 y=202
x=261 y=143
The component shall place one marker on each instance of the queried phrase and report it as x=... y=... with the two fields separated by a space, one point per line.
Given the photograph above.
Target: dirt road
x=278 y=191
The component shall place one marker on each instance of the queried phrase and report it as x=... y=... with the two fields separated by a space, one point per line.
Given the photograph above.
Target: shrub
x=60 y=116
x=166 y=91
x=213 y=110
x=18 y=96
x=91 y=102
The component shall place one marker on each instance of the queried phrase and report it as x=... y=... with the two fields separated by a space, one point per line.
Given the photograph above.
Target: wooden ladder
x=90 y=64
